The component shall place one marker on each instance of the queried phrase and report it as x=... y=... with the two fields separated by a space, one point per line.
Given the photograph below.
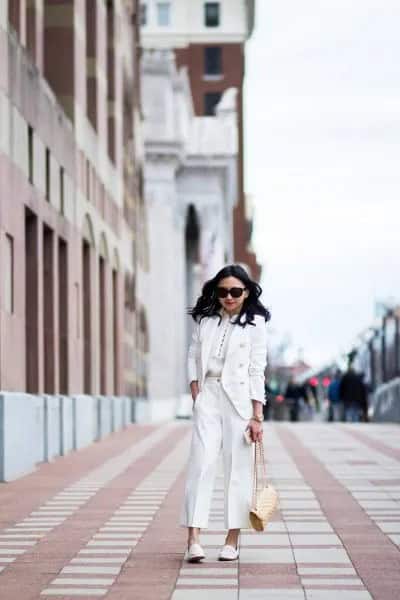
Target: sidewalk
x=103 y=522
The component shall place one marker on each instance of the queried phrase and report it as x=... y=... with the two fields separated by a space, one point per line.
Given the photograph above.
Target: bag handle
x=259 y=461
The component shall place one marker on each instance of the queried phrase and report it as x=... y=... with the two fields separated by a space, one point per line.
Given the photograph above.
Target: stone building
x=209 y=39
x=190 y=190
x=72 y=216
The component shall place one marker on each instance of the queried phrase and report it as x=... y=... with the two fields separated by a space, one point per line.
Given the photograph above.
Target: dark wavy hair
x=208 y=305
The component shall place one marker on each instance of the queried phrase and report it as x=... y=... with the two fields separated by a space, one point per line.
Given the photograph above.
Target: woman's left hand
x=256 y=430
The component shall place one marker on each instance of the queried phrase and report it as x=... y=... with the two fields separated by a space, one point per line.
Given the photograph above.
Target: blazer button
x=242 y=345
x=242 y=383
x=241 y=365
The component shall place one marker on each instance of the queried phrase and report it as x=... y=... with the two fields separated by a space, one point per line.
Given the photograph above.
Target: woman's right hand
x=194 y=389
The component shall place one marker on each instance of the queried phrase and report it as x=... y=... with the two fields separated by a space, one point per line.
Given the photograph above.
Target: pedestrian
x=269 y=397
x=335 y=402
x=293 y=395
x=364 y=402
x=352 y=394
x=226 y=365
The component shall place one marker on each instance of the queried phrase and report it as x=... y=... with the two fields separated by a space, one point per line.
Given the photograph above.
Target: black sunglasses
x=235 y=292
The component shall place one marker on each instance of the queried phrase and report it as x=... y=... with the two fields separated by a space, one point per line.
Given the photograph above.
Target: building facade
x=72 y=217
x=190 y=190
x=209 y=39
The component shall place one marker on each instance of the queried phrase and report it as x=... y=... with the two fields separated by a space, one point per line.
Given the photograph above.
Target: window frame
x=62 y=190
x=9 y=277
x=207 y=23
x=48 y=174
x=218 y=59
x=159 y=5
x=31 y=148
x=143 y=14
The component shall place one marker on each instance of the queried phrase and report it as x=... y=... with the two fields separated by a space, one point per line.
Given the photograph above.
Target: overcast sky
x=323 y=164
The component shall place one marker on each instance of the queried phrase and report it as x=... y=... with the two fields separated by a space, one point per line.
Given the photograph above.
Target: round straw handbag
x=265 y=497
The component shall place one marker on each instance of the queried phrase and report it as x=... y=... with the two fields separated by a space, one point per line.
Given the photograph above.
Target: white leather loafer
x=228 y=553
x=195 y=553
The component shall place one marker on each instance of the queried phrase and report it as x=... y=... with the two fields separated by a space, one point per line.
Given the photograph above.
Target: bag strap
x=259 y=461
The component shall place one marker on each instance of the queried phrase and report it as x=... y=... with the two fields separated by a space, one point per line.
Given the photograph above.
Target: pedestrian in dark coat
x=352 y=394
x=294 y=393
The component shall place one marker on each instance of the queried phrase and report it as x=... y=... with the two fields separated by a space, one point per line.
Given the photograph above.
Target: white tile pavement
x=163 y=476
x=55 y=511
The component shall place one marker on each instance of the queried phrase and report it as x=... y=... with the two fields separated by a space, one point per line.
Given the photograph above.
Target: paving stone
x=73 y=592
x=334 y=582
x=6 y=560
x=16 y=536
x=395 y=538
x=113 y=544
x=104 y=551
x=272 y=539
x=116 y=536
x=207 y=581
x=320 y=555
x=121 y=529
x=198 y=594
x=16 y=543
x=374 y=504
x=299 y=504
x=208 y=539
x=262 y=555
x=272 y=594
x=83 y=581
x=389 y=527
x=206 y=571
x=312 y=539
x=326 y=571
x=318 y=594
x=272 y=527
x=98 y=560
x=90 y=570
x=300 y=527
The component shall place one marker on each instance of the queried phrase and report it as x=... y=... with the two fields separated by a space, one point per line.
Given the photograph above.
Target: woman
x=226 y=364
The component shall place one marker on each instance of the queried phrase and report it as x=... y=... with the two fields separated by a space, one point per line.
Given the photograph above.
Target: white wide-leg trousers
x=218 y=426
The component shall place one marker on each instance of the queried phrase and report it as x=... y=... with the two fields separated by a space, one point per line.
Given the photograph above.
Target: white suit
x=222 y=410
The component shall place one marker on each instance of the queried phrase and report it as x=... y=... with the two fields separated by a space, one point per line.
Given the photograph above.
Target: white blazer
x=243 y=374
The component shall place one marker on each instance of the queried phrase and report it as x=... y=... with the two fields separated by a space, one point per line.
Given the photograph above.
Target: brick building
x=209 y=40
x=72 y=217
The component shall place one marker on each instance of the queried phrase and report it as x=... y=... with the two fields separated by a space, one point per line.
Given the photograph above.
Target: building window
x=9 y=274
x=212 y=14
x=62 y=191
x=48 y=174
x=213 y=60
x=163 y=13
x=143 y=14
x=31 y=277
x=30 y=154
x=211 y=100
x=63 y=307
x=88 y=180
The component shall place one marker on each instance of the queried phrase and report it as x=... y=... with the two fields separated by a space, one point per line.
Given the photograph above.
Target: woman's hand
x=194 y=389
x=256 y=430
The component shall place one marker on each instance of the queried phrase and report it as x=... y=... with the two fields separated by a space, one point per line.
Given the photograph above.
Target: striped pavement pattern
x=336 y=532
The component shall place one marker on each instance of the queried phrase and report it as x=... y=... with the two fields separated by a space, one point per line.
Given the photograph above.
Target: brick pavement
x=103 y=522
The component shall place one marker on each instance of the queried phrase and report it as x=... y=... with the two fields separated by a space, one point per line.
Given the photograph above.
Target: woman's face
x=231 y=304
